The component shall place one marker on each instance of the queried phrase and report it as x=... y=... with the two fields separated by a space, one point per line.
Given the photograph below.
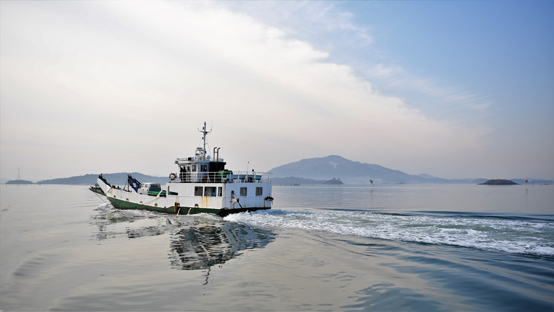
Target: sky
x=453 y=89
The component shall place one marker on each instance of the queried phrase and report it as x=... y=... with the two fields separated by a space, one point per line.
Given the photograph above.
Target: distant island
x=499 y=182
x=321 y=169
x=334 y=181
x=90 y=179
x=19 y=182
x=312 y=171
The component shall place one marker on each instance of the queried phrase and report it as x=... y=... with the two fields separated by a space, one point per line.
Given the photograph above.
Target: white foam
x=513 y=236
x=104 y=207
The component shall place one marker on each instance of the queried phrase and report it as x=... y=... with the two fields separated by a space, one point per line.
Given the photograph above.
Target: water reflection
x=196 y=241
x=200 y=247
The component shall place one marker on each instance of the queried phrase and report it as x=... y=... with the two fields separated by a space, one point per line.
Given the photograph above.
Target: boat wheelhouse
x=201 y=184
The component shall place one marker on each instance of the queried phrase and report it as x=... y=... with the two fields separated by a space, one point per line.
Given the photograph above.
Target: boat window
x=204 y=168
x=198 y=191
x=220 y=191
x=194 y=168
x=243 y=191
x=258 y=191
x=155 y=187
x=210 y=191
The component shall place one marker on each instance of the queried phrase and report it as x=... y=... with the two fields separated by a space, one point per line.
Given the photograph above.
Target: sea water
x=383 y=248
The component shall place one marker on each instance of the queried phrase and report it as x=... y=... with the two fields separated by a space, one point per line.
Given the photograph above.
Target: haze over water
x=406 y=247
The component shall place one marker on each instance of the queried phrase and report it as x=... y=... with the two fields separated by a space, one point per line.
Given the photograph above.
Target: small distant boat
x=201 y=185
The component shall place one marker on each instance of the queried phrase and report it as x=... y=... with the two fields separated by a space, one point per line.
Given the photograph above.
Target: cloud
x=331 y=27
x=304 y=19
x=397 y=78
x=129 y=93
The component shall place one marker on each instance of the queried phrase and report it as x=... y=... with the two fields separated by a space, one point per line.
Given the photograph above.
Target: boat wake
x=512 y=235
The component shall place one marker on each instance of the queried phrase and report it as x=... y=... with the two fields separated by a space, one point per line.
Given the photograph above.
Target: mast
x=204 y=133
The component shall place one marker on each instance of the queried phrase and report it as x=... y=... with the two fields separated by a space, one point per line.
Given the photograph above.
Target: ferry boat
x=202 y=184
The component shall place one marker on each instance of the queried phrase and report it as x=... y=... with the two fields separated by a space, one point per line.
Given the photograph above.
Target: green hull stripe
x=122 y=204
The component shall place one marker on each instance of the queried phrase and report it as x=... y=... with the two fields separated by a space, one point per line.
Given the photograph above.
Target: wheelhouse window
x=210 y=191
x=243 y=191
x=198 y=191
x=259 y=191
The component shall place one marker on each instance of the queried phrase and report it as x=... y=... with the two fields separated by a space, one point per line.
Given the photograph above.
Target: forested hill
x=113 y=178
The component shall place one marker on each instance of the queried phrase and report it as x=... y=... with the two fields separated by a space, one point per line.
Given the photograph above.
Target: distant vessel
x=202 y=185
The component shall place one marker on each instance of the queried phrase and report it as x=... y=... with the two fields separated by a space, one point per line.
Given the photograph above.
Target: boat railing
x=249 y=177
x=225 y=177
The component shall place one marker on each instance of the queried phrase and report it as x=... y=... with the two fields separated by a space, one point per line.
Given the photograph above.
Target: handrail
x=227 y=177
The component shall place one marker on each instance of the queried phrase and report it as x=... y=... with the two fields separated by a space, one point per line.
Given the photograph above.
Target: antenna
x=204 y=133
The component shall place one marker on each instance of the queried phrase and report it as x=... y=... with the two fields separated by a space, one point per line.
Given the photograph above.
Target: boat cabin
x=202 y=168
x=149 y=188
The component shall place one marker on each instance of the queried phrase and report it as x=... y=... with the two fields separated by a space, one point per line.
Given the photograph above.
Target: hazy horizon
x=449 y=89
x=2 y=181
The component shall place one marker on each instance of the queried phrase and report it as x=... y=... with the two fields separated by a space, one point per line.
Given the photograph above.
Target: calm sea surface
x=385 y=248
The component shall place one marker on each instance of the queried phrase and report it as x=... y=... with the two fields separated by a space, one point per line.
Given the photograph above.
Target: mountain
x=113 y=178
x=350 y=172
